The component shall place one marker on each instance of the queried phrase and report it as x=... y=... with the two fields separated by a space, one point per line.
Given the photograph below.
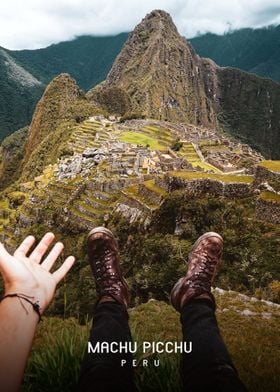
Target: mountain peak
x=156 y=20
x=160 y=74
x=59 y=95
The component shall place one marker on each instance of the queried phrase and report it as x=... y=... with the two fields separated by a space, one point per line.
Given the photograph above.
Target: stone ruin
x=119 y=159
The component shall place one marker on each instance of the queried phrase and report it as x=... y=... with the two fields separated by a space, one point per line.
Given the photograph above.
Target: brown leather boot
x=103 y=256
x=204 y=261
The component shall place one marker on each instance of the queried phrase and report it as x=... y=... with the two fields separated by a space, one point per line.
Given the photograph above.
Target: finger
x=52 y=256
x=42 y=247
x=25 y=246
x=62 y=271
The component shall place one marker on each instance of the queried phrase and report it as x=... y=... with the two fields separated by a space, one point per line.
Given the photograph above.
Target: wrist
x=32 y=293
x=23 y=306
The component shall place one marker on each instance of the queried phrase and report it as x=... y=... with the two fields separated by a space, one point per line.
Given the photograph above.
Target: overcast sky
x=38 y=23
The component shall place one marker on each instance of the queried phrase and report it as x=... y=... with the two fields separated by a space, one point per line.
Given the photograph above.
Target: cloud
x=38 y=23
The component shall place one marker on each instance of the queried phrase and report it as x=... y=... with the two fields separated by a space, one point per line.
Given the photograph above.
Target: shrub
x=275 y=290
x=177 y=145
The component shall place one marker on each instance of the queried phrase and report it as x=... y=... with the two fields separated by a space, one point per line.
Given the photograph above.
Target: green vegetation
x=153 y=261
x=55 y=142
x=88 y=59
x=150 y=184
x=131 y=116
x=253 y=50
x=4 y=204
x=212 y=176
x=189 y=153
x=56 y=357
x=206 y=166
x=16 y=198
x=114 y=100
x=271 y=165
x=141 y=139
x=253 y=121
x=17 y=100
x=177 y=145
x=11 y=155
x=74 y=57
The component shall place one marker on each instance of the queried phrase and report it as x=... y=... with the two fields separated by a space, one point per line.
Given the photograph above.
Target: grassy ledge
x=270 y=196
x=271 y=165
x=140 y=138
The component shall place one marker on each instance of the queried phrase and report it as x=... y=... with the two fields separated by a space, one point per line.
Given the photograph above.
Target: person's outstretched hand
x=30 y=275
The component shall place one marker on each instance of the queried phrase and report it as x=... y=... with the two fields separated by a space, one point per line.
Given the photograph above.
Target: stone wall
x=111 y=186
x=133 y=210
x=268 y=211
x=199 y=187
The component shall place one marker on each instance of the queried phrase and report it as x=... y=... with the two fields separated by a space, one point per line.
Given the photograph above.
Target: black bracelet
x=27 y=298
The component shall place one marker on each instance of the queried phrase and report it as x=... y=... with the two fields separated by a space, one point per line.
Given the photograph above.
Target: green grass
x=150 y=184
x=103 y=203
x=4 y=204
x=271 y=165
x=206 y=166
x=141 y=139
x=270 y=196
x=92 y=212
x=253 y=342
x=83 y=216
x=3 y=221
x=212 y=176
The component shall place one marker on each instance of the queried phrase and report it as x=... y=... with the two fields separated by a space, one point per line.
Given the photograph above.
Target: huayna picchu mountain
x=159 y=75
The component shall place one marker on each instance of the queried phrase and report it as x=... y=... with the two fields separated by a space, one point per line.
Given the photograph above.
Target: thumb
x=5 y=257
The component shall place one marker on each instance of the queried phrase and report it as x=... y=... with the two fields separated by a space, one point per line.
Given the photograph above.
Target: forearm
x=18 y=325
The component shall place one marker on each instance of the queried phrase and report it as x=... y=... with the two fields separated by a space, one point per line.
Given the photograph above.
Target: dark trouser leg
x=103 y=371
x=209 y=366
